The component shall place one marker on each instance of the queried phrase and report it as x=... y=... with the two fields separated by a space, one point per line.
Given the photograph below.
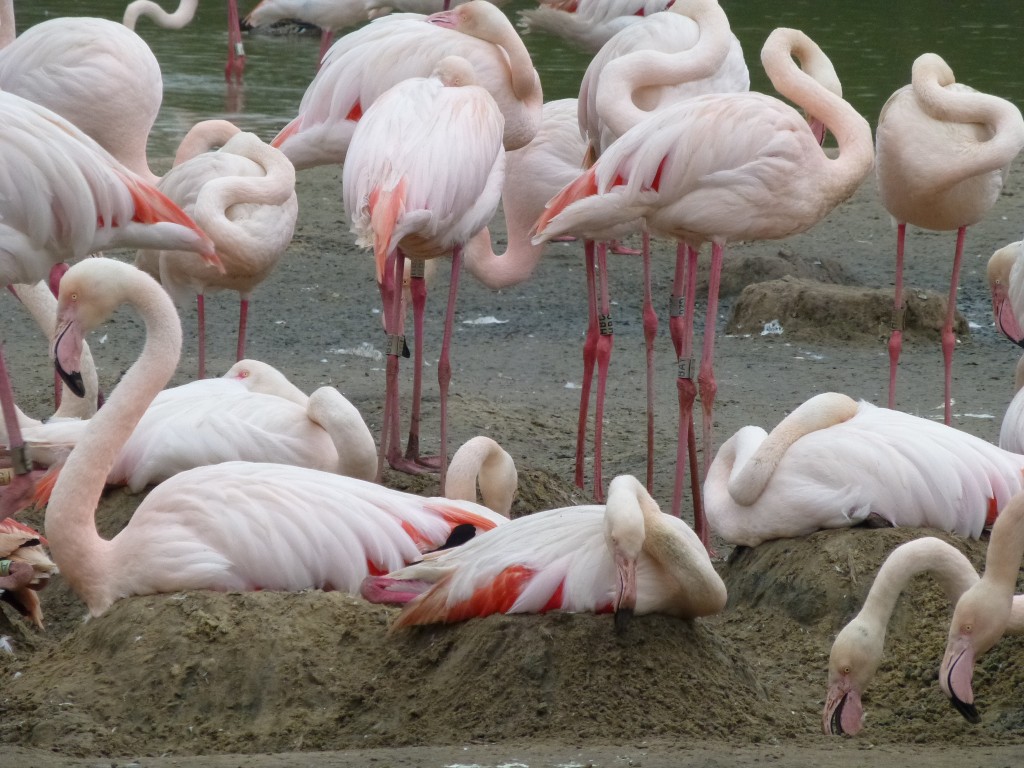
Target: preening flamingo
x=943 y=151
x=833 y=462
x=402 y=201
x=65 y=197
x=367 y=62
x=181 y=16
x=857 y=650
x=232 y=526
x=588 y=24
x=25 y=568
x=243 y=196
x=1005 y=273
x=986 y=611
x=669 y=57
x=625 y=557
x=723 y=167
x=329 y=15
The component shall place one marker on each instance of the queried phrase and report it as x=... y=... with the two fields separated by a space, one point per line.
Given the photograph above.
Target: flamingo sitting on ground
x=243 y=196
x=25 y=568
x=65 y=197
x=724 y=167
x=943 y=152
x=986 y=611
x=627 y=557
x=403 y=202
x=857 y=650
x=181 y=16
x=232 y=526
x=834 y=462
x=588 y=24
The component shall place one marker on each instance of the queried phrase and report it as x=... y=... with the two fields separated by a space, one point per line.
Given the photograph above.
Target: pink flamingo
x=25 y=568
x=857 y=649
x=986 y=611
x=402 y=204
x=588 y=24
x=232 y=526
x=1005 y=274
x=943 y=151
x=723 y=167
x=626 y=557
x=833 y=462
x=64 y=198
x=181 y=16
x=243 y=196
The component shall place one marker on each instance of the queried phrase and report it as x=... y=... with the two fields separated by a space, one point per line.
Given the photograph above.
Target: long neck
x=357 y=452
x=621 y=78
x=749 y=478
x=7 y=29
x=1005 y=549
x=82 y=555
x=204 y=136
x=520 y=258
x=182 y=15
x=852 y=132
x=482 y=460
x=524 y=78
x=937 y=94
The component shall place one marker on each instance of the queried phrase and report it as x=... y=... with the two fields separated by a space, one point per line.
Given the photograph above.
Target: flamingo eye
x=74 y=297
x=968 y=627
x=846 y=669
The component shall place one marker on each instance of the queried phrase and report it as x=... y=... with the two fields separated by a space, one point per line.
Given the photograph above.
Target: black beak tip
x=969 y=711
x=836 y=721
x=73 y=380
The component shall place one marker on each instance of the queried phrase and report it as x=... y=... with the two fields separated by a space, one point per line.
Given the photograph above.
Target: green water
x=871 y=43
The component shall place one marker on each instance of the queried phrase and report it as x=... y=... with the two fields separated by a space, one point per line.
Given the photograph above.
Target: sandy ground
x=273 y=680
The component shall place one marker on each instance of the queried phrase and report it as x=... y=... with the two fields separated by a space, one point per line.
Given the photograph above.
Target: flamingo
x=367 y=62
x=588 y=24
x=627 y=557
x=943 y=152
x=1005 y=273
x=723 y=167
x=329 y=15
x=1011 y=431
x=243 y=196
x=232 y=526
x=181 y=17
x=402 y=202
x=25 y=568
x=833 y=462
x=377 y=8
x=65 y=197
x=985 y=611
x=857 y=649
x=669 y=57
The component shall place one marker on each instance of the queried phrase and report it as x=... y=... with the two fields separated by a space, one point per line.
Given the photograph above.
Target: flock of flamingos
x=665 y=139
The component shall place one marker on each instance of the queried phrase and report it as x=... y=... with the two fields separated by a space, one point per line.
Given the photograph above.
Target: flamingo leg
x=896 y=338
x=706 y=377
x=16 y=481
x=650 y=332
x=604 y=353
x=948 y=337
x=413 y=462
x=444 y=367
x=243 y=317
x=235 y=67
x=390 y=291
x=589 y=351
x=201 y=321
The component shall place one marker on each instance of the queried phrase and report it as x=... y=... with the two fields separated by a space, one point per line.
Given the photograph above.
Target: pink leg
x=948 y=337
x=604 y=356
x=201 y=312
x=706 y=377
x=681 y=329
x=236 y=51
x=896 y=338
x=243 y=317
x=326 y=36
x=17 y=481
x=650 y=332
x=444 y=367
x=589 y=352
x=413 y=462
x=390 y=293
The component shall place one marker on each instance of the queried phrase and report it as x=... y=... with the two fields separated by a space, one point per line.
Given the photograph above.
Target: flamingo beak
x=843 y=713
x=955 y=676
x=67 y=353
x=817 y=129
x=625 y=601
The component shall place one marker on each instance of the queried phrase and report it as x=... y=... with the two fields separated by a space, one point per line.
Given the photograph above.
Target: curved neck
x=520 y=258
x=483 y=460
x=622 y=77
x=524 y=78
x=182 y=15
x=77 y=548
x=852 y=132
x=1005 y=548
x=357 y=452
x=749 y=478
x=204 y=136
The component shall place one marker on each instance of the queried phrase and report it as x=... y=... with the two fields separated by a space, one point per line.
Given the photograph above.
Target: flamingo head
x=624 y=534
x=854 y=659
x=472 y=18
x=1000 y=265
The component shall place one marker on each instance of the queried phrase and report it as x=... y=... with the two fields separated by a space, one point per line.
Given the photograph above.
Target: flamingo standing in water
x=984 y=612
x=181 y=17
x=65 y=197
x=243 y=196
x=724 y=167
x=232 y=526
x=943 y=151
x=403 y=202
x=857 y=649
x=627 y=557
x=834 y=462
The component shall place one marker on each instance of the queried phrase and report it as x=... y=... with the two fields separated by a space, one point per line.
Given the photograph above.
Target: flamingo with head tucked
x=25 y=568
